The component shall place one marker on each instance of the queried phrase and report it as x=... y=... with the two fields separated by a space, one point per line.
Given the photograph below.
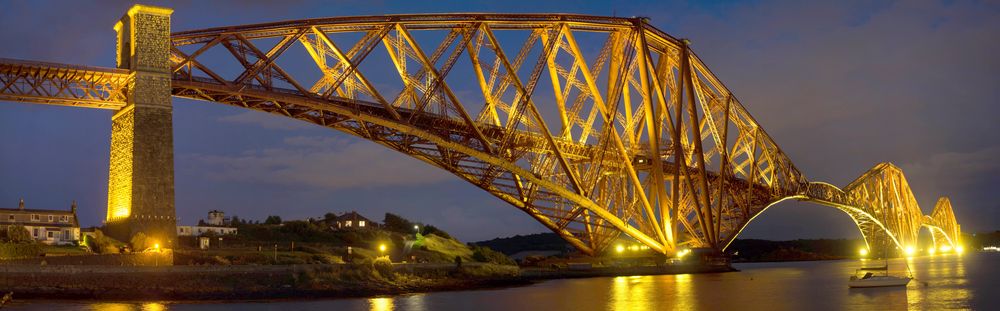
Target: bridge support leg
x=141 y=174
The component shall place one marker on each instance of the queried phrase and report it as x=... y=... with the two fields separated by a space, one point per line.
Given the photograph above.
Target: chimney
x=20 y=205
x=73 y=207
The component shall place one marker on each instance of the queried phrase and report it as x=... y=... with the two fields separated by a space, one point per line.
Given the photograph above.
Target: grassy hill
x=311 y=241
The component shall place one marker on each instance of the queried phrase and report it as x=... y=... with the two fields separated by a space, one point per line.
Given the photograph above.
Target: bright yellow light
x=930 y=251
x=959 y=249
x=619 y=248
x=156 y=247
x=910 y=251
x=381 y=247
x=863 y=252
x=120 y=171
x=945 y=248
x=683 y=253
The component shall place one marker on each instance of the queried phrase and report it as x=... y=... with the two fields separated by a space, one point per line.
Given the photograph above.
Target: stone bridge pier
x=141 y=173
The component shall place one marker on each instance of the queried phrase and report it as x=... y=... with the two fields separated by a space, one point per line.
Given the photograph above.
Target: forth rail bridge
x=639 y=138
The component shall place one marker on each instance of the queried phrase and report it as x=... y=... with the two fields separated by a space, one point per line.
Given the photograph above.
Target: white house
x=46 y=226
x=216 y=223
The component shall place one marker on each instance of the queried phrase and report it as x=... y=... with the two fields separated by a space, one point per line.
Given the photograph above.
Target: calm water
x=971 y=281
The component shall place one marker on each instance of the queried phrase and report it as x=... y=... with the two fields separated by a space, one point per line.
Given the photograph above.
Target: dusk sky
x=839 y=85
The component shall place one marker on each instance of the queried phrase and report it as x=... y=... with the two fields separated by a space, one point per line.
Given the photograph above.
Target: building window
x=63 y=219
x=35 y=233
x=361 y=223
x=10 y=218
x=50 y=233
x=66 y=235
x=34 y=217
x=50 y=218
x=348 y=224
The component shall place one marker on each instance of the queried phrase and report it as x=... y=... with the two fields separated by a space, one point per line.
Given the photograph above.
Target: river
x=969 y=281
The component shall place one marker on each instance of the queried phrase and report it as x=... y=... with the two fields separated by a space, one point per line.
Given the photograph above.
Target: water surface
x=970 y=281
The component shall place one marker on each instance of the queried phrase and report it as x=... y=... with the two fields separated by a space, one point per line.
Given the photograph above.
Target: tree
x=140 y=242
x=329 y=217
x=428 y=229
x=393 y=222
x=235 y=221
x=15 y=234
x=273 y=220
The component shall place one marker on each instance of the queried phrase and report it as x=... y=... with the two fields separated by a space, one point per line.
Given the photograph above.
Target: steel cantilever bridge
x=624 y=131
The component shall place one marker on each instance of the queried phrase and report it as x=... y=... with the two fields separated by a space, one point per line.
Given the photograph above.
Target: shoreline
x=275 y=283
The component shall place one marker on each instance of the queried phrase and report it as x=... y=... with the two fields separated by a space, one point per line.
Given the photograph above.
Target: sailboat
x=872 y=277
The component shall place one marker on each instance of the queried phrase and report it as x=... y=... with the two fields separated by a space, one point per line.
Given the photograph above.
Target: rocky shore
x=251 y=282
x=242 y=282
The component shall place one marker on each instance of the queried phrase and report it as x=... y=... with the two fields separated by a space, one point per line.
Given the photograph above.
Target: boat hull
x=878 y=282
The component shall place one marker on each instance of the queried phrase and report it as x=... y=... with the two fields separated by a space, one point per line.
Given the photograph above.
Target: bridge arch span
x=595 y=126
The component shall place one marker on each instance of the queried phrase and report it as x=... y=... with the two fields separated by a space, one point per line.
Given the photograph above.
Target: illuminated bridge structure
x=594 y=126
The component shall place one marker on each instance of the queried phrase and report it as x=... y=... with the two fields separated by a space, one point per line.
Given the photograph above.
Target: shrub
x=15 y=234
x=486 y=254
x=383 y=266
x=11 y=250
x=139 y=242
x=101 y=243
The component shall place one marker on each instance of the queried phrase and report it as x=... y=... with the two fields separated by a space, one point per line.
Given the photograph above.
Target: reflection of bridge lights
x=959 y=249
x=863 y=252
x=991 y=249
x=945 y=248
x=910 y=251
x=930 y=251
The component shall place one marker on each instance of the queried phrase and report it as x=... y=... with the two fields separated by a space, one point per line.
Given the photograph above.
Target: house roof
x=72 y=212
x=352 y=215
x=35 y=211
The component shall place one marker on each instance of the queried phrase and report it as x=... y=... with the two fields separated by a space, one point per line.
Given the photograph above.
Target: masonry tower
x=141 y=174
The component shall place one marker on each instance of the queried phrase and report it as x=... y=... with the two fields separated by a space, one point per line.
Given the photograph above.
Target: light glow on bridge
x=604 y=159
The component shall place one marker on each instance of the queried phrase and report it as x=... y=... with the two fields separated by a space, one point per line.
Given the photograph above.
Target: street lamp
x=381 y=248
x=863 y=252
x=619 y=248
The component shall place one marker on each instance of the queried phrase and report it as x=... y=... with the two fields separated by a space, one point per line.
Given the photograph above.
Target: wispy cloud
x=956 y=169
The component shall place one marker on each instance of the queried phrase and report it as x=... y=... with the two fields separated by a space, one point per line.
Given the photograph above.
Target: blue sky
x=840 y=86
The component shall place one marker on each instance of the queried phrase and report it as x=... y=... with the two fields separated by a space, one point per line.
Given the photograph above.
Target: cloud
x=956 y=169
x=265 y=121
x=318 y=162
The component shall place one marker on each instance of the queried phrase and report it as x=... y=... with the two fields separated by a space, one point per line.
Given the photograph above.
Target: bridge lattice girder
x=883 y=206
x=585 y=144
x=627 y=132
x=65 y=85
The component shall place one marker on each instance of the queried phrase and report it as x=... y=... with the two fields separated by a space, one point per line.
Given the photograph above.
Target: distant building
x=217 y=223
x=46 y=226
x=352 y=220
x=217 y=218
